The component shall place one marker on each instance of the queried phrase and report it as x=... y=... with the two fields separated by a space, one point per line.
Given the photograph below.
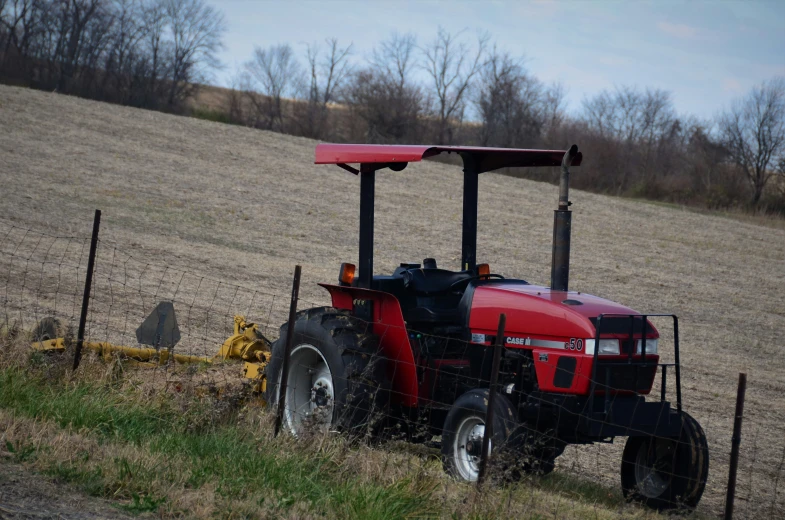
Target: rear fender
x=389 y=326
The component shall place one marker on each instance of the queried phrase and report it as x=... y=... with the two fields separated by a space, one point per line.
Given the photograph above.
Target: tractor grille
x=627 y=345
x=624 y=376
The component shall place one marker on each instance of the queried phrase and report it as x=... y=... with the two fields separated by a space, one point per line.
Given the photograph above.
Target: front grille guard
x=631 y=362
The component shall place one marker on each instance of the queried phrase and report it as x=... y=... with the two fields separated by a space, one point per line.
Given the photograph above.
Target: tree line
x=454 y=88
x=143 y=53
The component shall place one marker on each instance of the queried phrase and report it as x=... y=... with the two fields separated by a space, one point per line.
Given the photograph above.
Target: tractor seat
x=429 y=298
x=431 y=282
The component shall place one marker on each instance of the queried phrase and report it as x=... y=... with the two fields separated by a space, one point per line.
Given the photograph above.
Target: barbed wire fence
x=42 y=278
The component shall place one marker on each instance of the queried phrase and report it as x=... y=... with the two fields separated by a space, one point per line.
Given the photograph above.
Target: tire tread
x=365 y=371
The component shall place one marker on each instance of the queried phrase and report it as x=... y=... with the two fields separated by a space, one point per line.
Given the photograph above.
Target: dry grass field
x=244 y=206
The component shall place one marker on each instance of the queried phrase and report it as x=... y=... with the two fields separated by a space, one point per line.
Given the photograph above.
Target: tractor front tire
x=336 y=374
x=464 y=429
x=667 y=473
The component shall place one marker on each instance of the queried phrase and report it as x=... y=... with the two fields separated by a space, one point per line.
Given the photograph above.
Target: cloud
x=685 y=32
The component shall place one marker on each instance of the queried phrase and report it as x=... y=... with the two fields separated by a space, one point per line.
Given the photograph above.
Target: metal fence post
x=87 y=285
x=735 y=443
x=287 y=351
x=486 y=438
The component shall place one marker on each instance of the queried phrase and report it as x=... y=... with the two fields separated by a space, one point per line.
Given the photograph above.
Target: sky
x=704 y=53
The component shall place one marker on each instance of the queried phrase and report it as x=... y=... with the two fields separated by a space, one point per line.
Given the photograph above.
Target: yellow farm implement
x=246 y=344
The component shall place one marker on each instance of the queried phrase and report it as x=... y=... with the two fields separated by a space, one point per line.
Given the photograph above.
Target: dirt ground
x=26 y=496
x=219 y=215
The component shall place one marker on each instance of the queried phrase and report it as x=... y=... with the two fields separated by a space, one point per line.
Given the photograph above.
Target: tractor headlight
x=651 y=346
x=608 y=347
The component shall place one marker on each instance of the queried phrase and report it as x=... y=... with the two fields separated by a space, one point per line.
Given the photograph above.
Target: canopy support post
x=469 y=233
x=367 y=186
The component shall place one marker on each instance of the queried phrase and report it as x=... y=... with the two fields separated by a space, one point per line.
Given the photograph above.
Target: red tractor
x=416 y=346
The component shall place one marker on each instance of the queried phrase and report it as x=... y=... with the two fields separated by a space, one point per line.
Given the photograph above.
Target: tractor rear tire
x=337 y=376
x=667 y=473
x=464 y=429
x=48 y=328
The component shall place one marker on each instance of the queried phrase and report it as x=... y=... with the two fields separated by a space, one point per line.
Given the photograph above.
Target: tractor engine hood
x=538 y=311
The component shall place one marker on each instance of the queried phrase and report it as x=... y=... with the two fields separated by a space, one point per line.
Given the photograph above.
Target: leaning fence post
x=87 y=285
x=287 y=351
x=735 y=443
x=486 y=438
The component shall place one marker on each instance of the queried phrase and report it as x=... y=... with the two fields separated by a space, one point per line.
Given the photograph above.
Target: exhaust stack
x=562 y=222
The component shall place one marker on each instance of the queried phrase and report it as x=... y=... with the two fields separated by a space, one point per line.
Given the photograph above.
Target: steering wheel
x=475 y=277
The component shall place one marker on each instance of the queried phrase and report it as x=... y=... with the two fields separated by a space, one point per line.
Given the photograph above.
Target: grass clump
x=209 y=114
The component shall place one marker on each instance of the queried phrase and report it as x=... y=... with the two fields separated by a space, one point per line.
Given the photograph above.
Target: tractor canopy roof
x=378 y=156
x=476 y=160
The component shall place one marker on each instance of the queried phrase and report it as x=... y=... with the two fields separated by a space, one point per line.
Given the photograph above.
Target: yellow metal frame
x=246 y=344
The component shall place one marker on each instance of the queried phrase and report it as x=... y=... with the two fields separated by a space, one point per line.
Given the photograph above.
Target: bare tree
x=273 y=73
x=704 y=155
x=153 y=68
x=753 y=131
x=384 y=96
x=554 y=111
x=628 y=114
x=196 y=30
x=510 y=103
x=97 y=37
x=452 y=67
x=122 y=50
x=237 y=98
x=4 y=25
x=634 y=127
x=13 y=18
x=395 y=58
x=46 y=47
x=76 y=15
x=326 y=77
x=780 y=179
x=660 y=130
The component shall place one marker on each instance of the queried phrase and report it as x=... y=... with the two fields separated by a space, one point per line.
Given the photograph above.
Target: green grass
x=588 y=489
x=209 y=114
x=238 y=464
x=82 y=407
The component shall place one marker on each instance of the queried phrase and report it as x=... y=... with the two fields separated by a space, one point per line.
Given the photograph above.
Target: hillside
x=244 y=206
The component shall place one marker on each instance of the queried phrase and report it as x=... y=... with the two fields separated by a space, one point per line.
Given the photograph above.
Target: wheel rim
x=467 y=448
x=310 y=394
x=654 y=467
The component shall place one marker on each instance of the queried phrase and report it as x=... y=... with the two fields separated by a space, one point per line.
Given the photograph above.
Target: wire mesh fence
x=127 y=288
x=372 y=377
x=41 y=275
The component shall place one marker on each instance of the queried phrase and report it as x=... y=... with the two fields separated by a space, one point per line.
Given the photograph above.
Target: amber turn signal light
x=346 y=276
x=483 y=270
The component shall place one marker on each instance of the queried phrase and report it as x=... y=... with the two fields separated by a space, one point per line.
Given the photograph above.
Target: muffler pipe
x=562 y=222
